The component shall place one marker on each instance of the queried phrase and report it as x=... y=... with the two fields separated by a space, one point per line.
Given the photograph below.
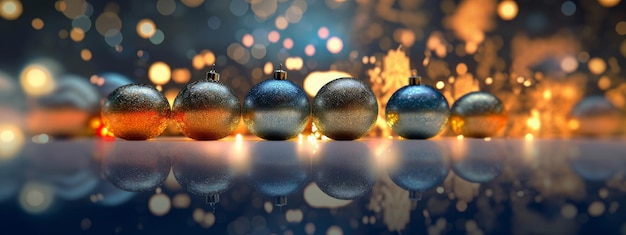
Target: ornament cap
x=212 y=75
x=280 y=201
x=280 y=74
x=414 y=79
x=415 y=195
x=212 y=199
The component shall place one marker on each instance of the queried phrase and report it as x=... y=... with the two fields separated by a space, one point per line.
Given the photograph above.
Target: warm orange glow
x=620 y=28
x=77 y=34
x=36 y=80
x=273 y=36
x=159 y=73
x=569 y=64
x=597 y=65
x=315 y=80
x=10 y=9
x=181 y=75
x=85 y=54
x=288 y=43
x=268 y=68
x=461 y=69
x=281 y=22
x=507 y=10
x=192 y=3
x=604 y=83
x=609 y=3
x=197 y=62
x=529 y=136
x=294 y=63
x=146 y=28
x=209 y=58
x=488 y=81
x=334 y=45
x=323 y=33
x=37 y=23
x=247 y=40
x=309 y=50
x=11 y=140
x=440 y=85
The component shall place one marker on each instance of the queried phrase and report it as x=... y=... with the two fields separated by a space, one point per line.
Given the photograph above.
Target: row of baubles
x=277 y=109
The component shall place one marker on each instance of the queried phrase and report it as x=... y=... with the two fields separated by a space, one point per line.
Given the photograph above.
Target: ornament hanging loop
x=414 y=79
x=212 y=75
x=280 y=74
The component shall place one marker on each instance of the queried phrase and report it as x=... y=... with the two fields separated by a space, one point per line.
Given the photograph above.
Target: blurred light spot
x=288 y=43
x=315 y=198
x=82 y=22
x=309 y=50
x=273 y=36
x=85 y=54
x=620 y=28
x=294 y=63
x=36 y=198
x=596 y=209
x=235 y=51
x=604 y=83
x=208 y=220
x=334 y=230
x=209 y=58
x=36 y=80
x=461 y=69
x=281 y=23
x=309 y=228
x=159 y=73
x=529 y=136
x=293 y=14
x=258 y=51
x=63 y=34
x=257 y=74
x=77 y=34
x=569 y=211
x=609 y=3
x=10 y=9
x=334 y=45
x=459 y=137
x=323 y=33
x=268 y=207
x=158 y=37
x=192 y=3
x=198 y=215
x=315 y=80
x=108 y=21
x=507 y=9
x=569 y=64
x=41 y=139
x=214 y=22
x=440 y=85
x=37 y=23
x=159 y=204
x=568 y=8
x=489 y=81
x=264 y=8
x=268 y=68
x=238 y=7
x=583 y=57
x=197 y=62
x=181 y=200
x=73 y=8
x=146 y=28
x=294 y=216
x=622 y=48
x=11 y=139
x=181 y=75
x=597 y=65
x=247 y=40
x=166 y=7
x=113 y=38
x=527 y=83
x=405 y=37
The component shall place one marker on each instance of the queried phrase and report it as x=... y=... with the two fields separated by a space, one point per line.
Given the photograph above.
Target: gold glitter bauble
x=478 y=114
x=206 y=110
x=136 y=112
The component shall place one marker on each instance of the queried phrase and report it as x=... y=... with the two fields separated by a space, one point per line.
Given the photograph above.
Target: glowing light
x=247 y=40
x=281 y=23
x=294 y=63
x=323 y=33
x=520 y=79
x=489 y=81
x=12 y=140
x=192 y=3
x=36 y=198
x=146 y=28
x=293 y=14
x=181 y=200
x=37 y=23
x=459 y=137
x=10 y=9
x=288 y=43
x=334 y=230
x=108 y=21
x=159 y=204
x=181 y=75
x=314 y=196
x=85 y=54
x=166 y=7
x=273 y=36
x=36 y=80
x=405 y=37
x=264 y=8
x=596 y=208
x=569 y=64
x=527 y=83
x=440 y=85
x=315 y=80
x=294 y=216
x=507 y=10
x=334 y=45
x=609 y=3
x=41 y=139
x=209 y=58
x=620 y=28
x=309 y=50
x=238 y=138
x=461 y=69
x=197 y=62
x=534 y=123
x=258 y=51
x=268 y=68
x=77 y=34
x=604 y=83
x=159 y=73
x=568 y=8
x=597 y=66
x=529 y=136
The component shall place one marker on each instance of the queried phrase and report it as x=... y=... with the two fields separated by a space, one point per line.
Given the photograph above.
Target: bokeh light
x=334 y=45
x=507 y=9
x=247 y=40
x=294 y=63
x=281 y=23
x=159 y=204
x=77 y=34
x=181 y=75
x=309 y=50
x=12 y=139
x=10 y=9
x=609 y=3
x=85 y=54
x=273 y=36
x=192 y=3
x=159 y=73
x=264 y=8
x=597 y=65
x=568 y=8
x=323 y=33
x=288 y=43
x=569 y=64
x=37 y=23
x=166 y=7
x=36 y=80
x=36 y=198
x=315 y=80
x=146 y=28
x=620 y=28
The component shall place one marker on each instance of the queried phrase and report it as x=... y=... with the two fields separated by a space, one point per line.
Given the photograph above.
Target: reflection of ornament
x=476 y=160
x=595 y=116
x=136 y=166
x=345 y=109
x=206 y=110
x=345 y=169
x=276 y=109
x=276 y=169
x=418 y=166
x=417 y=111
x=136 y=112
x=201 y=172
x=596 y=160
x=111 y=195
x=477 y=114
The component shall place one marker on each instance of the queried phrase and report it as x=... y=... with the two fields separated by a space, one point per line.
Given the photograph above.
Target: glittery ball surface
x=136 y=112
x=417 y=112
x=478 y=114
x=206 y=110
x=276 y=110
x=345 y=109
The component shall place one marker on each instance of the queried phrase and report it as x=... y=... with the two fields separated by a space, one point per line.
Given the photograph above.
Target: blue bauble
x=136 y=166
x=276 y=109
x=344 y=170
x=476 y=160
x=418 y=166
x=417 y=111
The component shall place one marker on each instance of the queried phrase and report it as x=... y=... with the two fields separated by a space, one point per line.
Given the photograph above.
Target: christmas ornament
x=344 y=169
x=277 y=170
x=136 y=166
x=345 y=109
x=418 y=166
x=206 y=110
x=478 y=114
x=276 y=109
x=476 y=160
x=595 y=116
x=136 y=112
x=417 y=111
x=596 y=160
x=202 y=172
